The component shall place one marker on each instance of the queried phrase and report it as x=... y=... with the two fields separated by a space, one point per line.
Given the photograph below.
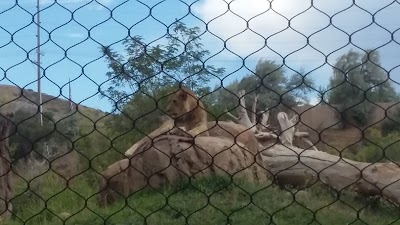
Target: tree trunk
x=300 y=167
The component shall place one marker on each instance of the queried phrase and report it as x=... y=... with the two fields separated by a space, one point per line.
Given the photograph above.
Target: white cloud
x=249 y=22
x=248 y=26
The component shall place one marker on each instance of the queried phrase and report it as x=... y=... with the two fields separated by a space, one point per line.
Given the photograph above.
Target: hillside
x=81 y=128
x=85 y=123
x=13 y=98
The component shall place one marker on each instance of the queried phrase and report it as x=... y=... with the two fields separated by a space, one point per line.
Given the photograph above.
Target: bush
x=392 y=124
x=380 y=148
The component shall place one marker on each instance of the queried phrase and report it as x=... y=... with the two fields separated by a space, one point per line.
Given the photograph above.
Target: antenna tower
x=38 y=62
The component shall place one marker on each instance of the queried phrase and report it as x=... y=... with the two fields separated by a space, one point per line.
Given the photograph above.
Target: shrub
x=392 y=124
x=380 y=148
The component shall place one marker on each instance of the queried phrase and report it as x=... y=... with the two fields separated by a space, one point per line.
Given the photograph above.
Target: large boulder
x=172 y=158
x=5 y=168
x=234 y=131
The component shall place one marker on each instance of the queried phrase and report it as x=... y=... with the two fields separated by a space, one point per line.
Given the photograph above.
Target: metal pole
x=70 y=95
x=38 y=62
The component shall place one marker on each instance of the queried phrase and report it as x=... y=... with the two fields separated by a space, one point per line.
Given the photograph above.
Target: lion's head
x=183 y=105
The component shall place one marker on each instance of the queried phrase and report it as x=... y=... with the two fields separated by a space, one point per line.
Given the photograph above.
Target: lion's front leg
x=180 y=131
x=201 y=130
x=165 y=127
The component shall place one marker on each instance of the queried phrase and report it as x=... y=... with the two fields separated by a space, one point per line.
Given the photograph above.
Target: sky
x=302 y=34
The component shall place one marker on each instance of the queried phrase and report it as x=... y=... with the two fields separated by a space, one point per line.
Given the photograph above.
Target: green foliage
x=45 y=199
x=139 y=116
x=359 y=113
x=151 y=73
x=380 y=148
x=392 y=123
x=56 y=138
x=213 y=200
x=272 y=85
x=357 y=79
x=29 y=135
x=149 y=69
x=221 y=99
x=188 y=65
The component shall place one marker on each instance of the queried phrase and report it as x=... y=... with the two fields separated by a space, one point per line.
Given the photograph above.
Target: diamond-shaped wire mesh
x=199 y=112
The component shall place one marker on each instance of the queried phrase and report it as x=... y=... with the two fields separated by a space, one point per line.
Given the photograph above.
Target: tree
x=392 y=123
x=186 y=58
x=357 y=79
x=273 y=87
x=149 y=69
x=29 y=135
x=140 y=84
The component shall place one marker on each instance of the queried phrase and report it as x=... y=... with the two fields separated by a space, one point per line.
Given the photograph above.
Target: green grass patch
x=216 y=201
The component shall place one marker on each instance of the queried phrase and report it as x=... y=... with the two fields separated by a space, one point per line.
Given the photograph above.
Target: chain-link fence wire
x=53 y=183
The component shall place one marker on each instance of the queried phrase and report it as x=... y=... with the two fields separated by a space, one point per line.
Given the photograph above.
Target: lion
x=186 y=115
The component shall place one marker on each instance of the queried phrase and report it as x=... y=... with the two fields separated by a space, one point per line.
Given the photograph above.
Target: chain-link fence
x=199 y=112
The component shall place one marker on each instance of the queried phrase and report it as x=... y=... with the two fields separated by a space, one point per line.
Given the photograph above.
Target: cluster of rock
x=250 y=149
x=233 y=148
x=170 y=158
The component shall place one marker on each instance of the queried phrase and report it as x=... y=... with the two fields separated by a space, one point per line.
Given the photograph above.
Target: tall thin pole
x=38 y=62
x=70 y=95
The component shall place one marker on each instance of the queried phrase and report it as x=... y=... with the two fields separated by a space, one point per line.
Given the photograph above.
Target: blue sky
x=86 y=69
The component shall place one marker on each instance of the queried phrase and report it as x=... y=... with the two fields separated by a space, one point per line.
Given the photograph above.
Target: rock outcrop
x=236 y=132
x=298 y=167
x=172 y=158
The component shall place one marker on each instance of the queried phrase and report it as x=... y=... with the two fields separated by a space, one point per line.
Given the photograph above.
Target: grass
x=208 y=201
